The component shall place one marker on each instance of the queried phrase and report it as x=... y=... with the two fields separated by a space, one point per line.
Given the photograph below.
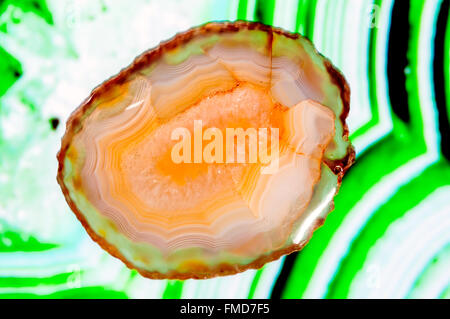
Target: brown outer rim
x=339 y=167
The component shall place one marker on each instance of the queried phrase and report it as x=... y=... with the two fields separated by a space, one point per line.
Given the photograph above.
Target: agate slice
x=203 y=218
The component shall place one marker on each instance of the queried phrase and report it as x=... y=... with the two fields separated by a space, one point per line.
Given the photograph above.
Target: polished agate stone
x=201 y=219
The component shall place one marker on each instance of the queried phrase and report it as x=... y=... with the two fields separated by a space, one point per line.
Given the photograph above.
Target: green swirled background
x=389 y=235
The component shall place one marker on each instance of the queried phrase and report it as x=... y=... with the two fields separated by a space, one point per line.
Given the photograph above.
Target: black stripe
x=278 y=288
x=439 y=77
x=264 y=11
x=397 y=58
x=259 y=11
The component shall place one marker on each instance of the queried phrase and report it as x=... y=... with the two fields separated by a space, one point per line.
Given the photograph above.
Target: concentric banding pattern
x=44 y=251
x=108 y=152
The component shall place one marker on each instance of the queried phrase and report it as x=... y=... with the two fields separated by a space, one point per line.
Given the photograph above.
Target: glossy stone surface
x=199 y=220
